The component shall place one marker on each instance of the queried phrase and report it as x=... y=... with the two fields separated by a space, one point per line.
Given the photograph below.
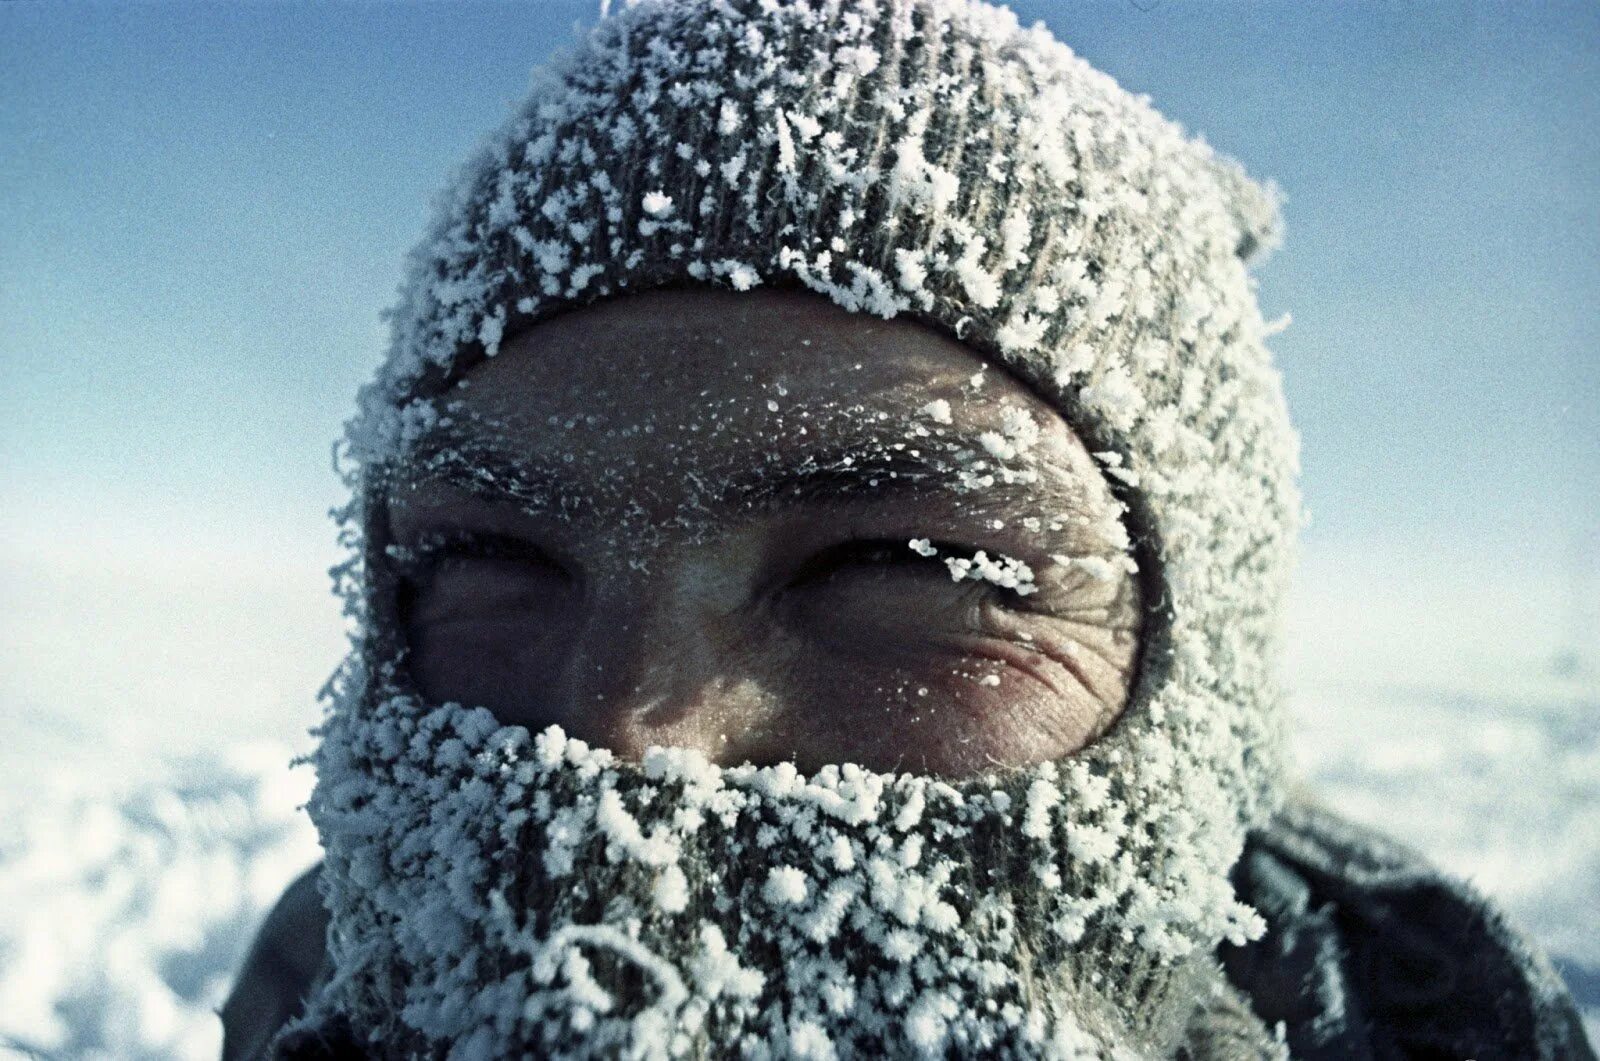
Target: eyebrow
x=865 y=468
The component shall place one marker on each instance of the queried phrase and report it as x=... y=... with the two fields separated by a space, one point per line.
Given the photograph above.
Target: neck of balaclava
x=530 y=892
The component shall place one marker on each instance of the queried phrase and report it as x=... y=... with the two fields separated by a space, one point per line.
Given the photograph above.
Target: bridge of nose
x=665 y=654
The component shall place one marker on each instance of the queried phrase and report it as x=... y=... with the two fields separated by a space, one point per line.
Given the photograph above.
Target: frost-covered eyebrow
x=865 y=469
x=873 y=470
x=486 y=474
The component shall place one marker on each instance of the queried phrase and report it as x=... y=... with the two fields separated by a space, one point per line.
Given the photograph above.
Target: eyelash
x=417 y=562
x=894 y=553
x=421 y=559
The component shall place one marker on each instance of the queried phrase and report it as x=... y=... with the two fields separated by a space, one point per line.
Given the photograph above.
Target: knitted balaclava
x=494 y=892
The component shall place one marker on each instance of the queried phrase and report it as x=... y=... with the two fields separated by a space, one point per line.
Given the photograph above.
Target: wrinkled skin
x=680 y=518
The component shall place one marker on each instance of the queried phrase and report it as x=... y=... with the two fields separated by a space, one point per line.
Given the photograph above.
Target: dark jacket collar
x=1372 y=954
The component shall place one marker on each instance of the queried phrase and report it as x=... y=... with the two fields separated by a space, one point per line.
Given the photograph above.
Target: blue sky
x=203 y=210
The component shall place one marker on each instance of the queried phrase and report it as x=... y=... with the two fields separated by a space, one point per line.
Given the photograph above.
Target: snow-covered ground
x=1504 y=792
x=127 y=902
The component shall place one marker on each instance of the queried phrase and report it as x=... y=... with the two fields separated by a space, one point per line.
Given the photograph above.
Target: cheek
x=491 y=663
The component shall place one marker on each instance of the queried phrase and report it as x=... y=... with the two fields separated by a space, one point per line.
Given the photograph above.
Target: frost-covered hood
x=925 y=157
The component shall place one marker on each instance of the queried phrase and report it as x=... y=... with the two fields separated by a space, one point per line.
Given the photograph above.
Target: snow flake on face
x=1017 y=435
x=1003 y=571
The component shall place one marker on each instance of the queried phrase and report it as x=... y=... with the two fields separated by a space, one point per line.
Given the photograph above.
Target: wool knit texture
x=929 y=158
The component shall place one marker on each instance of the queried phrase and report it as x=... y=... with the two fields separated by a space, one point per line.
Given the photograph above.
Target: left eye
x=864 y=596
x=877 y=557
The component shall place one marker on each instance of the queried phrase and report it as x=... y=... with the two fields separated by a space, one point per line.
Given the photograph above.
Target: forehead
x=693 y=393
x=706 y=366
x=666 y=354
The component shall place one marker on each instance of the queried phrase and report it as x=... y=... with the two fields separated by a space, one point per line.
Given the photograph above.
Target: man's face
x=755 y=528
x=749 y=524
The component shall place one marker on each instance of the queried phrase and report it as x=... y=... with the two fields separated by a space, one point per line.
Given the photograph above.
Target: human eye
x=919 y=558
x=877 y=558
x=911 y=588
x=455 y=576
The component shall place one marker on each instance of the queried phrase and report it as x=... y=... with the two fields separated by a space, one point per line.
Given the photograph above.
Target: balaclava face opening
x=494 y=893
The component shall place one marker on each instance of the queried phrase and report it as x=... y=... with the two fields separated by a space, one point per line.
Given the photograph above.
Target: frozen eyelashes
x=1003 y=571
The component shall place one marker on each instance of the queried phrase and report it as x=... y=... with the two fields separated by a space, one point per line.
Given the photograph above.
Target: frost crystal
x=786 y=886
x=1003 y=571
x=734 y=894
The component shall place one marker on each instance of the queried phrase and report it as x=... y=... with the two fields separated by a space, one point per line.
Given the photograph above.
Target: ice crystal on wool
x=1089 y=205
x=1016 y=196
x=534 y=893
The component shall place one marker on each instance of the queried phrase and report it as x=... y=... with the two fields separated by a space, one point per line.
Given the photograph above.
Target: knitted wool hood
x=493 y=892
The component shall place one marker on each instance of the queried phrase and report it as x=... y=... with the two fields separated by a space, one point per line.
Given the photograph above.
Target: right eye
x=462 y=578
x=487 y=620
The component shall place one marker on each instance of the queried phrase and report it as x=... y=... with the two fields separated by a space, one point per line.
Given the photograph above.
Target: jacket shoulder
x=1373 y=953
x=284 y=962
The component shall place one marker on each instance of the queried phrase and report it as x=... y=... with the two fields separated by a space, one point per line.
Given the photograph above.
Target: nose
x=667 y=661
